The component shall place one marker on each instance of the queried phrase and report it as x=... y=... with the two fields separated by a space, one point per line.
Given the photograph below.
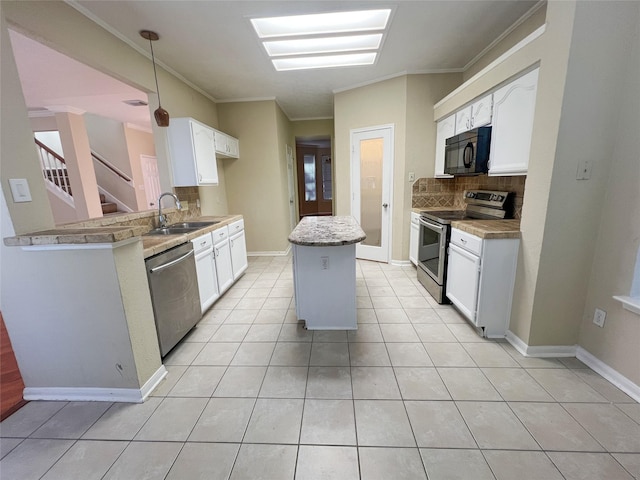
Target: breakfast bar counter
x=324 y=271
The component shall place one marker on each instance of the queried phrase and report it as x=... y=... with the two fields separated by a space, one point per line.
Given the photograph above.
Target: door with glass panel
x=315 y=184
x=371 y=189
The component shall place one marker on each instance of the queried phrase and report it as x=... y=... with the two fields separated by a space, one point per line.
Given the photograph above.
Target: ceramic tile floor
x=414 y=393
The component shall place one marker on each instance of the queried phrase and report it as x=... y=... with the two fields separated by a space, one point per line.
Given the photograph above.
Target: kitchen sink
x=170 y=231
x=192 y=225
x=178 y=228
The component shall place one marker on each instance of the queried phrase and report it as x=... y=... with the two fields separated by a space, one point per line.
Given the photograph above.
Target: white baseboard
x=597 y=365
x=150 y=385
x=401 y=263
x=90 y=394
x=619 y=380
x=540 y=351
x=270 y=254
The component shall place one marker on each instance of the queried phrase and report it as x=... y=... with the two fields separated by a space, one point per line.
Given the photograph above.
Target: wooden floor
x=11 y=384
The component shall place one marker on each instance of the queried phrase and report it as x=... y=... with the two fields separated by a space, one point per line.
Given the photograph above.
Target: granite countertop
x=151 y=244
x=77 y=235
x=327 y=232
x=489 y=228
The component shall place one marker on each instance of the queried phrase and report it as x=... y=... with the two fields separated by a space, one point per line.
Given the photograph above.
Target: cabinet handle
x=462 y=240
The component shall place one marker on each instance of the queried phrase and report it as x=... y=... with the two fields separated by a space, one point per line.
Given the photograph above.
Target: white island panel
x=324 y=271
x=325 y=286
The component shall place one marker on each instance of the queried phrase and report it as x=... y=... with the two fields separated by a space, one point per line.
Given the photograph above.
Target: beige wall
x=285 y=138
x=256 y=188
x=18 y=158
x=618 y=237
x=423 y=91
x=528 y=26
x=61 y=27
x=377 y=104
x=406 y=102
x=592 y=98
x=551 y=52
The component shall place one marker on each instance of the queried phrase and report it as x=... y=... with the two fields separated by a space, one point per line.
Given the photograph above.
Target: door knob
x=385 y=205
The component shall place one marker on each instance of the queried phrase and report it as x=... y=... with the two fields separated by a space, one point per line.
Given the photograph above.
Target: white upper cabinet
x=445 y=128
x=226 y=145
x=463 y=120
x=475 y=115
x=481 y=112
x=193 y=156
x=512 y=121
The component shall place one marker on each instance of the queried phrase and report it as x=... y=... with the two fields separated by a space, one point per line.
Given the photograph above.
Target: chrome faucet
x=163 y=218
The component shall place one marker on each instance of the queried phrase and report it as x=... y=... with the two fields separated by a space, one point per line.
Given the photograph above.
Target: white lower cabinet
x=222 y=253
x=414 y=238
x=206 y=270
x=221 y=258
x=238 y=254
x=480 y=278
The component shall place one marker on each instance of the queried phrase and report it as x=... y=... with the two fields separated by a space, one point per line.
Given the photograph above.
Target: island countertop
x=327 y=231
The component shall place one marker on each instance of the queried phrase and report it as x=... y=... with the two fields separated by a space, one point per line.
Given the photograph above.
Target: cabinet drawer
x=467 y=241
x=236 y=227
x=202 y=242
x=220 y=235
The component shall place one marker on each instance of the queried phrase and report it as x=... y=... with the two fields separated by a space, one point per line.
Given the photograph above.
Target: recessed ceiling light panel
x=324 y=61
x=310 y=46
x=321 y=23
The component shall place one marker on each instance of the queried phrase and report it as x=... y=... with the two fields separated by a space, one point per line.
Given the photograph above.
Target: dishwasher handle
x=172 y=262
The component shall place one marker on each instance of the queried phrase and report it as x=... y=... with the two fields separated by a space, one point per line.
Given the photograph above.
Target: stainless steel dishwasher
x=174 y=294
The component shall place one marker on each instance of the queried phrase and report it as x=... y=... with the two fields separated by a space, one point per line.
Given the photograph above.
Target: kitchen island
x=324 y=271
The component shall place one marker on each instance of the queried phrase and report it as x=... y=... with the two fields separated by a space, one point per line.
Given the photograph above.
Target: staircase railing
x=111 y=168
x=54 y=168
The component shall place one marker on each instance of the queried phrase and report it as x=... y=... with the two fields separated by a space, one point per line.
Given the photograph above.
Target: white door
x=151 y=179
x=371 y=189
x=292 y=192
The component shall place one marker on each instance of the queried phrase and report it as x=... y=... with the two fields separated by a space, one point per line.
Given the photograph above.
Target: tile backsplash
x=447 y=192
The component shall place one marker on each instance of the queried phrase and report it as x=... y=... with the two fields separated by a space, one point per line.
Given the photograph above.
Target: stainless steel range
x=435 y=232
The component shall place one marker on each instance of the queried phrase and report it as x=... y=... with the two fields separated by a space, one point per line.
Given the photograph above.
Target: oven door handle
x=432 y=225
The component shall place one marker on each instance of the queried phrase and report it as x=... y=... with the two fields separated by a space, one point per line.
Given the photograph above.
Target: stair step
x=109 y=207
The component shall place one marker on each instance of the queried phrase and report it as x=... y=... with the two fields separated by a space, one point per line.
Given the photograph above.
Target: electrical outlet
x=412 y=176
x=325 y=263
x=598 y=317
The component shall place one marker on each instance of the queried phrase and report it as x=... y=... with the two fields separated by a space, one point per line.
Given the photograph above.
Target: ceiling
x=212 y=45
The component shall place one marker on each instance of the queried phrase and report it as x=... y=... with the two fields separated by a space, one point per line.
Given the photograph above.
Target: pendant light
x=161 y=115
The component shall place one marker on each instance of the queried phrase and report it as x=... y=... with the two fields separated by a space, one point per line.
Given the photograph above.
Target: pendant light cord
x=155 y=74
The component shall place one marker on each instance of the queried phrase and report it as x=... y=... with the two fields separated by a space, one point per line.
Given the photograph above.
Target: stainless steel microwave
x=468 y=153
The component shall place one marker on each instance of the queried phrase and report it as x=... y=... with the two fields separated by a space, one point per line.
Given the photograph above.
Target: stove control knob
x=500 y=198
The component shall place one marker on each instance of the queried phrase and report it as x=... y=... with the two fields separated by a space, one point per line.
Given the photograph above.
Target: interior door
x=371 y=189
x=292 y=193
x=315 y=184
x=151 y=179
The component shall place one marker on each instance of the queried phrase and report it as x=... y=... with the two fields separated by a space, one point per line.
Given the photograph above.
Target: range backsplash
x=447 y=192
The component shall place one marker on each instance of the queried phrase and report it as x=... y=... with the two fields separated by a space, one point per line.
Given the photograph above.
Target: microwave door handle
x=468 y=147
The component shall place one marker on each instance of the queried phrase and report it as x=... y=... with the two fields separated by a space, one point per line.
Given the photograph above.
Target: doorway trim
x=388 y=167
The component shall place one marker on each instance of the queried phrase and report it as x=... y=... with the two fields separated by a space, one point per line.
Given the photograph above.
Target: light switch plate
x=20 y=190
x=584 y=170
